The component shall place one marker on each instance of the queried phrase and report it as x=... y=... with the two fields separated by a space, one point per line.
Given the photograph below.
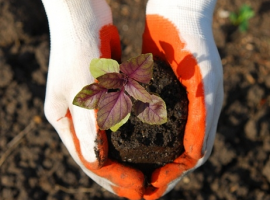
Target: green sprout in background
x=241 y=18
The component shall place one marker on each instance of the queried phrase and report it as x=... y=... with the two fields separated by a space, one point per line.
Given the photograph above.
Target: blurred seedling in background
x=241 y=18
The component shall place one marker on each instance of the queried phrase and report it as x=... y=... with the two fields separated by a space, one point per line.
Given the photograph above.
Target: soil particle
x=266 y=170
x=6 y=74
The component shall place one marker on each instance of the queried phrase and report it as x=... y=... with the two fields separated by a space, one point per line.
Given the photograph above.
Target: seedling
x=241 y=19
x=110 y=95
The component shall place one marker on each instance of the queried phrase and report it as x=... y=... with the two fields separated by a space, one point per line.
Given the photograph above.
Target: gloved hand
x=80 y=31
x=179 y=31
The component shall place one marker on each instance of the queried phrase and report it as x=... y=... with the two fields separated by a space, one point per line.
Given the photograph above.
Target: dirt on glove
x=147 y=147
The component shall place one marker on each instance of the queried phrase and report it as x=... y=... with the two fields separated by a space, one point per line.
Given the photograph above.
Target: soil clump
x=147 y=147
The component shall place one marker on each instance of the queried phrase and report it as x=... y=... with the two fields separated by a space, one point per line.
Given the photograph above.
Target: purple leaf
x=89 y=96
x=135 y=90
x=151 y=113
x=112 y=108
x=111 y=80
x=139 y=68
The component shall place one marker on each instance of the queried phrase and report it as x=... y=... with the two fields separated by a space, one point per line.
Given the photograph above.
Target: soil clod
x=147 y=147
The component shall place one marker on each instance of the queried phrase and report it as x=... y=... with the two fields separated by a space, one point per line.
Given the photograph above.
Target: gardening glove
x=179 y=31
x=80 y=31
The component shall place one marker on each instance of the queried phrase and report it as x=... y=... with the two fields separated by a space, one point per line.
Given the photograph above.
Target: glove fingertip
x=110 y=42
x=165 y=175
x=135 y=194
x=152 y=193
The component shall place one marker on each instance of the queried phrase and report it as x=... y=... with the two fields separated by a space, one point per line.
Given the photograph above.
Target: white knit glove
x=177 y=32
x=80 y=31
x=180 y=31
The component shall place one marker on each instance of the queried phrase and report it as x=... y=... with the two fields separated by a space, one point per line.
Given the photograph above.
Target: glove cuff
x=204 y=7
x=190 y=16
x=76 y=21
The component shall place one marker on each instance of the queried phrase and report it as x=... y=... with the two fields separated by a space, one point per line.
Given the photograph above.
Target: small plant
x=110 y=95
x=241 y=19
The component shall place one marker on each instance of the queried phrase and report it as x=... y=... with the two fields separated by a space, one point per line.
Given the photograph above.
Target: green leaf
x=118 y=125
x=243 y=26
x=101 y=66
x=233 y=18
x=246 y=12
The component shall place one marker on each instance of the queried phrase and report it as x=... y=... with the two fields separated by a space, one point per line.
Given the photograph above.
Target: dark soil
x=39 y=166
x=147 y=147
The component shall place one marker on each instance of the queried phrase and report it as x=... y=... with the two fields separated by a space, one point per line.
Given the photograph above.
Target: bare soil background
x=39 y=166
